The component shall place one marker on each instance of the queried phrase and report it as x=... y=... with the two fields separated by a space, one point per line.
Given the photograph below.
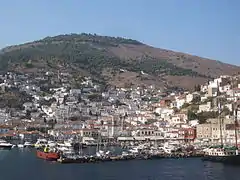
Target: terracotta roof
x=6 y=135
x=4 y=126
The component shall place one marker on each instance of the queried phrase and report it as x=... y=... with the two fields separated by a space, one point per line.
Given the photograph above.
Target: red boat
x=50 y=156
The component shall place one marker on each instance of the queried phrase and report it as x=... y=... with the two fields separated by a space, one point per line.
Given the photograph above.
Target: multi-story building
x=205 y=107
x=204 y=131
x=212 y=91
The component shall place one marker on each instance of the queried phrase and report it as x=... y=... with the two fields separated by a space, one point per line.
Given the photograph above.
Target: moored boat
x=5 y=145
x=221 y=154
x=47 y=155
x=28 y=144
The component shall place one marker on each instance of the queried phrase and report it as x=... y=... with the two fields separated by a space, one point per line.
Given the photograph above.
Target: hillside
x=117 y=61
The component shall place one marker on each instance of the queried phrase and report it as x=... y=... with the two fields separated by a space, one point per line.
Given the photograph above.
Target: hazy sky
x=208 y=28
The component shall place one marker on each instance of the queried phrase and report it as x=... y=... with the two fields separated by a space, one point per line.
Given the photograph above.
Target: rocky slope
x=118 y=61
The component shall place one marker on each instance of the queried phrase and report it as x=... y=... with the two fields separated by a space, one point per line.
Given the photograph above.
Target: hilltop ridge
x=113 y=60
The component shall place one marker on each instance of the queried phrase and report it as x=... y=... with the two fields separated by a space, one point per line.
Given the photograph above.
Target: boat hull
x=231 y=160
x=50 y=156
x=6 y=147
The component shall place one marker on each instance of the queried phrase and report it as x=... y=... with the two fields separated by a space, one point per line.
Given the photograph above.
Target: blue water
x=18 y=165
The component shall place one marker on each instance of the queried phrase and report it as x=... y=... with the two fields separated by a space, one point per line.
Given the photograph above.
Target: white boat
x=5 y=145
x=52 y=144
x=20 y=145
x=101 y=153
x=124 y=153
x=65 y=146
x=28 y=144
x=25 y=145
x=134 y=150
x=41 y=143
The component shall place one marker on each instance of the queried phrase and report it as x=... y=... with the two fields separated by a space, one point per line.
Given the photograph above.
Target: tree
x=44 y=120
x=196 y=100
x=51 y=123
x=185 y=105
x=203 y=116
x=197 y=87
x=226 y=110
x=90 y=113
x=95 y=97
x=175 y=109
x=191 y=115
x=28 y=114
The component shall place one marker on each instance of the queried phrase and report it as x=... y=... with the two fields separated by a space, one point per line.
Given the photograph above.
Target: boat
x=20 y=145
x=41 y=143
x=25 y=145
x=221 y=154
x=5 y=145
x=50 y=156
x=28 y=144
x=65 y=146
x=51 y=144
x=134 y=150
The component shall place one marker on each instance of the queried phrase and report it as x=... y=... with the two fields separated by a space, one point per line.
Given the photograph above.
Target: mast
x=121 y=117
x=219 y=114
x=220 y=122
x=235 y=110
x=235 y=130
x=97 y=148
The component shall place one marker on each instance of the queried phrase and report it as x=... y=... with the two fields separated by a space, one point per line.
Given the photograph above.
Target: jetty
x=128 y=157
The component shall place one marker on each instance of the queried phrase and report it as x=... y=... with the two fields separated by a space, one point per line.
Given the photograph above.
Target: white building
x=205 y=107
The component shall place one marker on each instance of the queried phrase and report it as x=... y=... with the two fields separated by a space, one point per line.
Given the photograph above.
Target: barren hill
x=117 y=61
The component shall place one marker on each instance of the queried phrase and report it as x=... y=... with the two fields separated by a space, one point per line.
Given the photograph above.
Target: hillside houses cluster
x=137 y=113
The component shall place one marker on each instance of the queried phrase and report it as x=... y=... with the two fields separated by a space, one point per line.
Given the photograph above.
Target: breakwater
x=95 y=159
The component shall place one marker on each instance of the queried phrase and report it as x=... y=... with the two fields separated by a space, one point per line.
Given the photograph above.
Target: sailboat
x=224 y=155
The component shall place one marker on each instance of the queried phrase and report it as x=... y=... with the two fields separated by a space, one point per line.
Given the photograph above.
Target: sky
x=207 y=28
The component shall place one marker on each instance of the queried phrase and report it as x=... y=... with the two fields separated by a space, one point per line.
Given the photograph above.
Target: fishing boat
x=46 y=154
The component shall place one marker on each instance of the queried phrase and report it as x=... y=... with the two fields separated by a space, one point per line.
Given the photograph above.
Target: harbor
x=66 y=152
x=27 y=166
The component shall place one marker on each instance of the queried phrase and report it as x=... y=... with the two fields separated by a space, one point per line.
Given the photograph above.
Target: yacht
x=5 y=145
